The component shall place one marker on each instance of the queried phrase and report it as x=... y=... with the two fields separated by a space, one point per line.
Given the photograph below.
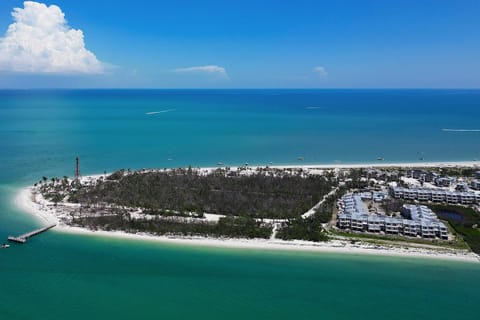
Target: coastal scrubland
x=268 y=194
x=236 y=227
x=175 y=202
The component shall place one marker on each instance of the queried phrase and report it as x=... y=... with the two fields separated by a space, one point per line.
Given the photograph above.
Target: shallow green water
x=88 y=277
x=60 y=276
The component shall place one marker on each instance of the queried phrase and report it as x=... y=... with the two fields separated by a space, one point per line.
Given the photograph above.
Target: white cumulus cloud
x=41 y=41
x=212 y=69
x=320 y=71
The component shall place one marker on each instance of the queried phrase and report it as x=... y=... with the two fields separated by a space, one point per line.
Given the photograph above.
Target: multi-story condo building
x=435 y=195
x=416 y=220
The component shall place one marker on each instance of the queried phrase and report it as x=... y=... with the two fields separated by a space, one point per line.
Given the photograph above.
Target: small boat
x=380 y=158
x=300 y=158
x=219 y=163
x=5 y=246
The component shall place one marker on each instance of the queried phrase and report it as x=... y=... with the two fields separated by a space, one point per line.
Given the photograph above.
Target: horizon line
x=245 y=88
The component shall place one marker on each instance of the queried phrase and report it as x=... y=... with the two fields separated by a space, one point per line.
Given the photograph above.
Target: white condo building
x=436 y=195
x=416 y=220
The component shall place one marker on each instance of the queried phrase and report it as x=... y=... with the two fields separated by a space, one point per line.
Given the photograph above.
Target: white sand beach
x=378 y=164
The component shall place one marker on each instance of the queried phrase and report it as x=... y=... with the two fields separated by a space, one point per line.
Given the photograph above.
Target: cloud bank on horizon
x=210 y=69
x=41 y=41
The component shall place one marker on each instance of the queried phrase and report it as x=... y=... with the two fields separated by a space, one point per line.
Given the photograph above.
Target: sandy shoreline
x=378 y=164
x=39 y=208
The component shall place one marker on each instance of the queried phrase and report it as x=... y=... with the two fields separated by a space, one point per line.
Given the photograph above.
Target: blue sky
x=252 y=44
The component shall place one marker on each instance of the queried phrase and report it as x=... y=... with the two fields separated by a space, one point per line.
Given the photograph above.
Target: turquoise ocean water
x=58 y=276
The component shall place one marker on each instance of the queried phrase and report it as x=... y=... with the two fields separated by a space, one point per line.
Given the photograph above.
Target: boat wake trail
x=157 y=112
x=461 y=130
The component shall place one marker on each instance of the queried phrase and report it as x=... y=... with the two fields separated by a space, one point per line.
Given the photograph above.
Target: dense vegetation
x=259 y=195
x=464 y=220
x=241 y=227
x=325 y=212
x=309 y=229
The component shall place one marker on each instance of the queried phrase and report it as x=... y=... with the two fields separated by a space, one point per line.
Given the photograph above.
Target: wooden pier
x=24 y=237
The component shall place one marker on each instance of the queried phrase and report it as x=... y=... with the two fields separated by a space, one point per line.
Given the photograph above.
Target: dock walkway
x=23 y=238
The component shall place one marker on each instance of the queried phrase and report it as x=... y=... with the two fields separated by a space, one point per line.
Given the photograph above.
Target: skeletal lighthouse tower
x=77 y=169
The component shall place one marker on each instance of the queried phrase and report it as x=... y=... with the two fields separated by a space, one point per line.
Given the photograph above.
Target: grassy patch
x=392 y=238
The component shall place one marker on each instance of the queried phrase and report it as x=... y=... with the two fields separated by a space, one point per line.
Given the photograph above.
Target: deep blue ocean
x=58 y=276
